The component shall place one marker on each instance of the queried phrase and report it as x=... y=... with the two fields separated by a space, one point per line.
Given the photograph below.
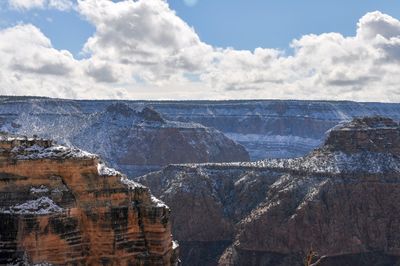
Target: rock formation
x=273 y=128
x=341 y=200
x=62 y=206
x=134 y=141
x=266 y=128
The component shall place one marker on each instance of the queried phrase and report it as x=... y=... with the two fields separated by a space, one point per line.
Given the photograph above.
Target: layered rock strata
x=62 y=206
x=266 y=128
x=133 y=140
x=341 y=200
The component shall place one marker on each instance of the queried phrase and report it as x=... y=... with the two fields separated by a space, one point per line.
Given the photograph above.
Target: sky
x=201 y=49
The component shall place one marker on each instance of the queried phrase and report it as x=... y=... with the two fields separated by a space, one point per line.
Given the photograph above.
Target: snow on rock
x=36 y=152
x=42 y=205
x=103 y=170
x=158 y=203
x=337 y=162
x=175 y=244
x=106 y=171
x=131 y=184
x=39 y=190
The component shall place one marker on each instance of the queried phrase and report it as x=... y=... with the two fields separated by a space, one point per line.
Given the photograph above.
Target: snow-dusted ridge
x=24 y=148
x=338 y=162
x=330 y=159
x=158 y=203
x=42 y=205
x=103 y=170
x=130 y=183
x=36 y=152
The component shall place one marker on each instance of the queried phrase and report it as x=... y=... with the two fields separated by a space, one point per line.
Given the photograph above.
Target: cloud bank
x=143 y=50
x=62 y=5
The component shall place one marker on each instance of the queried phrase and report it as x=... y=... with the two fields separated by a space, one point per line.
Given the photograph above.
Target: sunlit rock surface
x=62 y=206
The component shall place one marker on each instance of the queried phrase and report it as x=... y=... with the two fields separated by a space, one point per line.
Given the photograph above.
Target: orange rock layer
x=63 y=210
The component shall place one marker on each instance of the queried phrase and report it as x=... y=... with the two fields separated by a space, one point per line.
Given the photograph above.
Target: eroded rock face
x=266 y=128
x=208 y=201
x=62 y=206
x=373 y=134
x=133 y=140
x=341 y=200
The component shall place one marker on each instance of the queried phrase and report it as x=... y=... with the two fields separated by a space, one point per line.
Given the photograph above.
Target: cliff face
x=208 y=201
x=134 y=140
x=266 y=128
x=62 y=206
x=144 y=140
x=273 y=128
x=341 y=200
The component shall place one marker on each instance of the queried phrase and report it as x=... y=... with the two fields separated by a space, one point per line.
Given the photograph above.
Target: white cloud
x=142 y=49
x=326 y=66
x=31 y=66
x=376 y=23
x=62 y=5
x=143 y=37
x=24 y=5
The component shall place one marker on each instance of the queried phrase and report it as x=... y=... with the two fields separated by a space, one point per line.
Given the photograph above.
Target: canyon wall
x=341 y=201
x=266 y=128
x=133 y=140
x=62 y=206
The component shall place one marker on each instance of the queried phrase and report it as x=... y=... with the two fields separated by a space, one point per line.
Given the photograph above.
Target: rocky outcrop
x=341 y=200
x=266 y=128
x=62 y=206
x=373 y=134
x=208 y=201
x=133 y=140
x=142 y=140
x=273 y=128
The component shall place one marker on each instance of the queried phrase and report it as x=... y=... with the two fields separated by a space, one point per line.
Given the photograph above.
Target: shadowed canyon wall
x=341 y=200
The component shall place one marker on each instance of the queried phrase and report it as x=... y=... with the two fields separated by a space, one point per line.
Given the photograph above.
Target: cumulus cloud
x=142 y=49
x=376 y=23
x=31 y=66
x=24 y=5
x=326 y=66
x=145 y=37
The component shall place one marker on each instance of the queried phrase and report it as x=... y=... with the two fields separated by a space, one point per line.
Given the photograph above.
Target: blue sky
x=201 y=49
x=241 y=24
x=67 y=30
x=265 y=23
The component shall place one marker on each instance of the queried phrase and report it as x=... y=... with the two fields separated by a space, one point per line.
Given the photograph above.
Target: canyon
x=133 y=140
x=265 y=128
x=63 y=206
x=340 y=200
x=248 y=182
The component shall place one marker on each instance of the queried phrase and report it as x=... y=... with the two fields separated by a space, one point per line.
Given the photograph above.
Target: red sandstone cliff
x=63 y=207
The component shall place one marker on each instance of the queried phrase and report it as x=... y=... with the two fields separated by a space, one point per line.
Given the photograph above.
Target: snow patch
x=36 y=152
x=106 y=171
x=175 y=244
x=338 y=162
x=131 y=184
x=158 y=203
x=39 y=190
x=42 y=205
